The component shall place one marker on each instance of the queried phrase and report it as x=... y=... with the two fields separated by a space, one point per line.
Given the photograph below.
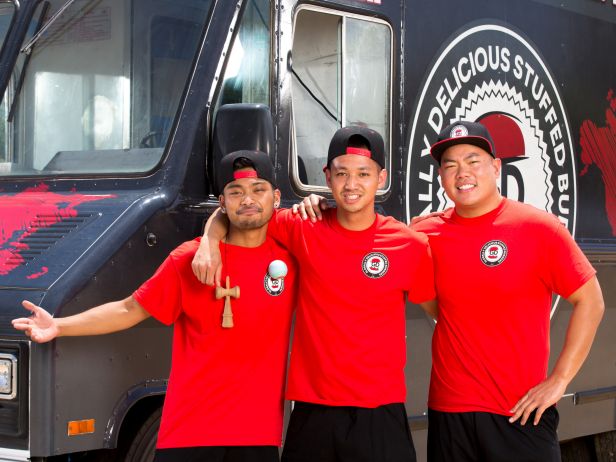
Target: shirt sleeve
x=421 y=283
x=161 y=294
x=282 y=227
x=566 y=266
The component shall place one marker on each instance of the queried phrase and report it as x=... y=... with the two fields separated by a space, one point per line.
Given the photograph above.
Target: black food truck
x=114 y=113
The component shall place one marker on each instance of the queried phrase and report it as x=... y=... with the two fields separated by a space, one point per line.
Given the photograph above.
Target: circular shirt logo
x=375 y=265
x=491 y=74
x=273 y=286
x=493 y=253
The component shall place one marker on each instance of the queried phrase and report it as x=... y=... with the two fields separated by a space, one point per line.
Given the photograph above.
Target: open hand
x=311 y=207
x=40 y=326
x=207 y=263
x=538 y=398
x=420 y=218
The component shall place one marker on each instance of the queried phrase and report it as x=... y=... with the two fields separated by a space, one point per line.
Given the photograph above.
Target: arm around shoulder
x=207 y=263
x=431 y=308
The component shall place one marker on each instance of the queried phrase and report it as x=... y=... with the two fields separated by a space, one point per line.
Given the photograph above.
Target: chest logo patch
x=375 y=265
x=273 y=286
x=493 y=253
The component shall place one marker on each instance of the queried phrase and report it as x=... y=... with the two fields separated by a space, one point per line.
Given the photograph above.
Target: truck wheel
x=576 y=450
x=605 y=446
x=143 y=446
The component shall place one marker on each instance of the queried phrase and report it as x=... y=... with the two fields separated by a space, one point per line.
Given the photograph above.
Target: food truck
x=113 y=117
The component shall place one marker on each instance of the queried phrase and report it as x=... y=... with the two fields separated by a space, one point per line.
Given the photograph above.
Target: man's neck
x=479 y=210
x=246 y=237
x=356 y=221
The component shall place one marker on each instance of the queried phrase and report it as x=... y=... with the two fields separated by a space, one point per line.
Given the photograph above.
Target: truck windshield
x=98 y=91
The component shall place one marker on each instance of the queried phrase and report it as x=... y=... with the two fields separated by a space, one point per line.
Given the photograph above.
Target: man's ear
x=382 y=178
x=221 y=201
x=328 y=177
x=276 y=198
x=496 y=163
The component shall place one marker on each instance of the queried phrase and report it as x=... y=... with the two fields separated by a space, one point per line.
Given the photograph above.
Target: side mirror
x=240 y=126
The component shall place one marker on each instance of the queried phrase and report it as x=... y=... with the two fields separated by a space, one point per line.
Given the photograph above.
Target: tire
x=577 y=450
x=143 y=445
x=605 y=446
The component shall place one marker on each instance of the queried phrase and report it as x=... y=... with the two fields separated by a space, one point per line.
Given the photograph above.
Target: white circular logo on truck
x=491 y=74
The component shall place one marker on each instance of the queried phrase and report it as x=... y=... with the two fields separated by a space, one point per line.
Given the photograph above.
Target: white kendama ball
x=277 y=269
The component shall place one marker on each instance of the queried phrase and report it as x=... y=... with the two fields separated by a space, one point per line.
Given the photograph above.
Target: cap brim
x=439 y=148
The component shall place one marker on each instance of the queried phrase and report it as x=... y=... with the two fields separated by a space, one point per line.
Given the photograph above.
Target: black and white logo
x=490 y=73
x=273 y=286
x=375 y=265
x=493 y=253
x=458 y=131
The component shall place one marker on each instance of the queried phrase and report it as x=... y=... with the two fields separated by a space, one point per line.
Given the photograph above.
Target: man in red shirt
x=497 y=264
x=224 y=401
x=358 y=268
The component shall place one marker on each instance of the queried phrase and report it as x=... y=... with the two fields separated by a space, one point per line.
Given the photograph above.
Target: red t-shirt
x=349 y=336
x=495 y=275
x=226 y=385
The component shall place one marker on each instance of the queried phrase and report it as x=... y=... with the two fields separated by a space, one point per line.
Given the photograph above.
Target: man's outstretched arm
x=111 y=317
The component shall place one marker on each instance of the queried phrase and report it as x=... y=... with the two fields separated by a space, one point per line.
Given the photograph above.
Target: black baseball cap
x=339 y=145
x=261 y=162
x=462 y=132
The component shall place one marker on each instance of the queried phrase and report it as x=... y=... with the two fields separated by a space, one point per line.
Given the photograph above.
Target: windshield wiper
x=27 y=48
x=22 y=74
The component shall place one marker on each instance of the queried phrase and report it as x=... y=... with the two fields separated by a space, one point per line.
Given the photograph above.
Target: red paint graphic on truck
x=24 y=213
x=599 y=148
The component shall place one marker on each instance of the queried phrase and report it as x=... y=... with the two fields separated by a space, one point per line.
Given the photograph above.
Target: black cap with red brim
x=339 y=145
x=263 y=168
x=462 y=132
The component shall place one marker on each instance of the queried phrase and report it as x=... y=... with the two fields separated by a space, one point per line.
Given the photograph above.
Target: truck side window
x=246 y=78
x=341 y=75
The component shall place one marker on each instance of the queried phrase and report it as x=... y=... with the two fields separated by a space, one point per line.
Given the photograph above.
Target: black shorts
x=218 y=454
x=319 y=433
x=486 y=437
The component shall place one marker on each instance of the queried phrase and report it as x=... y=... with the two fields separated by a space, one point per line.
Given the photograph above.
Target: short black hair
x=358 y=141
x=243 y=162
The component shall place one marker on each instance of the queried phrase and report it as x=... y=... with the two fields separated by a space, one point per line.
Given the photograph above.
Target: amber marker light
x=80 y=427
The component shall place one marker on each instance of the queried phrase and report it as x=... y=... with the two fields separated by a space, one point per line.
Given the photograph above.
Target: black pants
x=218 y=454
x=319 y=433
x=486 y=437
